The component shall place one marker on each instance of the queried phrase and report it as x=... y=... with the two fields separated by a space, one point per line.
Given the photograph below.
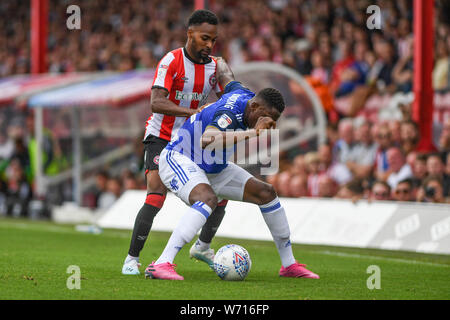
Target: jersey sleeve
x=224 y=120
x=233 y=86
x=164 y=73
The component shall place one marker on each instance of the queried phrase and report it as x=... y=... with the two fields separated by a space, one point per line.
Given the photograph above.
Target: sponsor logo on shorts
x=174 y=184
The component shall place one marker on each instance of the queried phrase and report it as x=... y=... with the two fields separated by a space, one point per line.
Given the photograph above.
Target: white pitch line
x=360 y=256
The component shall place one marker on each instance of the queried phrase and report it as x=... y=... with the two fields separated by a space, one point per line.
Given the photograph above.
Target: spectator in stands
x=327 y=187
x=130 y=183
x=362 y=155
x=6 y=145
x=319 y=69
x=129 y=180
x=447 y=164
x=419 y=170
x=405 y=38
x=444 y=138
x=380 y=191
x=382 y=137
x=395 y=129
x=398 y=168
x=403 y=191
x=402 y=73
x=337 y=171
x=355 y=73
x=298 y=185
x=409 y=135
x=101 y=179
x=386 y=60
x=352 y=190
x=431 y=191
x=299 y=166
x=303 y=57
x=436 y=168
x=441 y=71
x=283 y=184
x=411 y=159
x=313 y=166
x=345 y=61
x=343 y=146
x=19 y=191
x=112 y=193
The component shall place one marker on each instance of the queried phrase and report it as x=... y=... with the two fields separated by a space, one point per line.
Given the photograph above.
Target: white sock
x=275 y=218
x=202 y=246
x=129 y=258
x=191 y=222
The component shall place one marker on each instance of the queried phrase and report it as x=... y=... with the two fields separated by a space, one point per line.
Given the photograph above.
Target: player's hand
x=224 y=72
x=264 y=123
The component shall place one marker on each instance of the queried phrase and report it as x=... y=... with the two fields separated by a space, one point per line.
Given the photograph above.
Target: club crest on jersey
x=212 y=80
x=162 y=72
x=224 y=121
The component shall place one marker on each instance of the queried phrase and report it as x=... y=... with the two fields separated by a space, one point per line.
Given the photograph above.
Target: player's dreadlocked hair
x=201 y=16
x=273 y=98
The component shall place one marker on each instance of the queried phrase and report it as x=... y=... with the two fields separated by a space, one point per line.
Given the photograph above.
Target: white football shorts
x=180 y=175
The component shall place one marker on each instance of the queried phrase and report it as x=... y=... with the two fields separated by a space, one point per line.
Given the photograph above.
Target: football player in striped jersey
x=183 y=80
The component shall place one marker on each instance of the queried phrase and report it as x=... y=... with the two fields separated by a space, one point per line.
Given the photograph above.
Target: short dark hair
x=421 y=157
x=432 y=178
x=273 y=98
x=200 y=16
x=355 y=186
x=408 y=181
x=383 y=183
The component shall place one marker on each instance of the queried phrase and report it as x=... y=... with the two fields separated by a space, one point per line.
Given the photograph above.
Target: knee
x=211 y=200
x=204 y=194
x=266 y=193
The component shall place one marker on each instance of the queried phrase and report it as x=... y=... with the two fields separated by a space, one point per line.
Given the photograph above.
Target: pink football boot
x=297 y=270
x=165 y=271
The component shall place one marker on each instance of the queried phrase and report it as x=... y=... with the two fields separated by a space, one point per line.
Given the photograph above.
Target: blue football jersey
x=227 y=113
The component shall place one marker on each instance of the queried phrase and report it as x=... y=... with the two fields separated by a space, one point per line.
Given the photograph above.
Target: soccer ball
x=232 y=262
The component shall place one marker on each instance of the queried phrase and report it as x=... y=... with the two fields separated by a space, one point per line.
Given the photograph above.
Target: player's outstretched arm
x=160 y=104
x=214 y=138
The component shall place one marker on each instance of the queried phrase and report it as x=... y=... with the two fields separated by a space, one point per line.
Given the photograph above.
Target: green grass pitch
x=34 y=257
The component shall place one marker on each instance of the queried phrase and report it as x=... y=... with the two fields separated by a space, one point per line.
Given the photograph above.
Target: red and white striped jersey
x=189 y=84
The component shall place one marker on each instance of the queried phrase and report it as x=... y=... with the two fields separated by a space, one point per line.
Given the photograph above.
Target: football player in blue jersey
x=194 y=167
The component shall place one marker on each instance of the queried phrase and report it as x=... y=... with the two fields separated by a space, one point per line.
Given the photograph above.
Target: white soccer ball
x=232 y=262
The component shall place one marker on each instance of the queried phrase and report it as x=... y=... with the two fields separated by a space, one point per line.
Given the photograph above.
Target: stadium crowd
x=327 y=41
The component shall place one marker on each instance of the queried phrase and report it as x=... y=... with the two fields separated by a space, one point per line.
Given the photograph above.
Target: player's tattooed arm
x=224 y=73
x=160 y=104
